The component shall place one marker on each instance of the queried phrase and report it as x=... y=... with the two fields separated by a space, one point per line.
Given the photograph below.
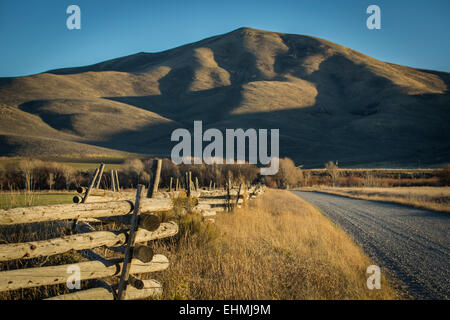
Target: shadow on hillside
x=357 y=116
x=365 y=122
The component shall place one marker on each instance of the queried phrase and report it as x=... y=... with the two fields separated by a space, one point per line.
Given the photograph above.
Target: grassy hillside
x=329 y=102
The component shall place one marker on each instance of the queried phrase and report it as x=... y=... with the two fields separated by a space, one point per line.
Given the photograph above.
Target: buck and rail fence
x=136 y=209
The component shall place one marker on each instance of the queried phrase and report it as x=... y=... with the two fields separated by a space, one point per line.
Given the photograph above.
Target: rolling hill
x=329 y=102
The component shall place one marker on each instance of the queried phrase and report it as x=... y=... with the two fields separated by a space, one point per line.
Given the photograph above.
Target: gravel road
x=413 y=244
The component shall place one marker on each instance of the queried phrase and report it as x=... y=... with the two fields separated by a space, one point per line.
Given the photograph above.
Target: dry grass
x=279 y=248
x=431 y=198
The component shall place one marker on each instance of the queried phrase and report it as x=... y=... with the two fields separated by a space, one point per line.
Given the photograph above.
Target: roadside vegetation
x=430 y=198
x=426 y=189
x=279 y=247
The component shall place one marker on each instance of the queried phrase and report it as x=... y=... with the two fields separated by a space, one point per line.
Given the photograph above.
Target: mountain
x=329 y=102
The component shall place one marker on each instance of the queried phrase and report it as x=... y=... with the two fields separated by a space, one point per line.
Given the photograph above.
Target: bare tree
x=50 y=180
x=68 y=174
x=26 y=167
x=333 y=171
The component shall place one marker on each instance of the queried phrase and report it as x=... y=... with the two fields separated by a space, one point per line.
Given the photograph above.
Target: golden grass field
x=431 y=198
x=279 y=247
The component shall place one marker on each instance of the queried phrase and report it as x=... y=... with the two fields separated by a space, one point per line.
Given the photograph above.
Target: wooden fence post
x=177 y=185
x=228 y=197
x=113 y=183
x=102 y=167
x=86 y=195
x=170 y=184
x=156 y=176
x=188 y=183
x=196 y=183
x=117 y=180
x=91 y=186
x=238 y=194
x=130 y=245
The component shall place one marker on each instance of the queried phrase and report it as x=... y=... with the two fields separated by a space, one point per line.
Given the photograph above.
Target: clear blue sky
x=34 y=37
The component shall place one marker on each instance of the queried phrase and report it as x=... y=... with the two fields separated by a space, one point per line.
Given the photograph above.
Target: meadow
x=24 y=199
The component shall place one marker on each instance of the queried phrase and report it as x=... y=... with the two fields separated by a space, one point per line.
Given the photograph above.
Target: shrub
x=192 y=225
x=183 y=204
x=444 y=175
x=350 y=181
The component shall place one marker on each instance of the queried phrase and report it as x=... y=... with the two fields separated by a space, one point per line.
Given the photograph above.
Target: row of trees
x=136 y=171
x=337 y=177
x=288 y=174
x=32 y=174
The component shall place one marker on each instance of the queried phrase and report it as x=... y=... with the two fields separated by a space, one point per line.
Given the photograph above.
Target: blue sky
x=34 y=36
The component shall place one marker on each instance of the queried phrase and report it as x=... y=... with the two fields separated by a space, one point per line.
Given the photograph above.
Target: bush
x=350 y=181
x=183 y=204
x=444 y=175
x=192 y=225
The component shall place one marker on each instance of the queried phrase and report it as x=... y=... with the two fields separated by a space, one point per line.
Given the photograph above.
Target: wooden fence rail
x=89 y=240
x=34 y=277
x=139 y=258
x=79 y=211
x=151 y=288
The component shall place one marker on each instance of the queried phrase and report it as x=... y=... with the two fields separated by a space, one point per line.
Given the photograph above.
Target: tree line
x=33 y=174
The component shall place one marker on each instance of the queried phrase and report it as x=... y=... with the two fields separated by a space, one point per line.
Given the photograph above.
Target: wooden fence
x=135 y=209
